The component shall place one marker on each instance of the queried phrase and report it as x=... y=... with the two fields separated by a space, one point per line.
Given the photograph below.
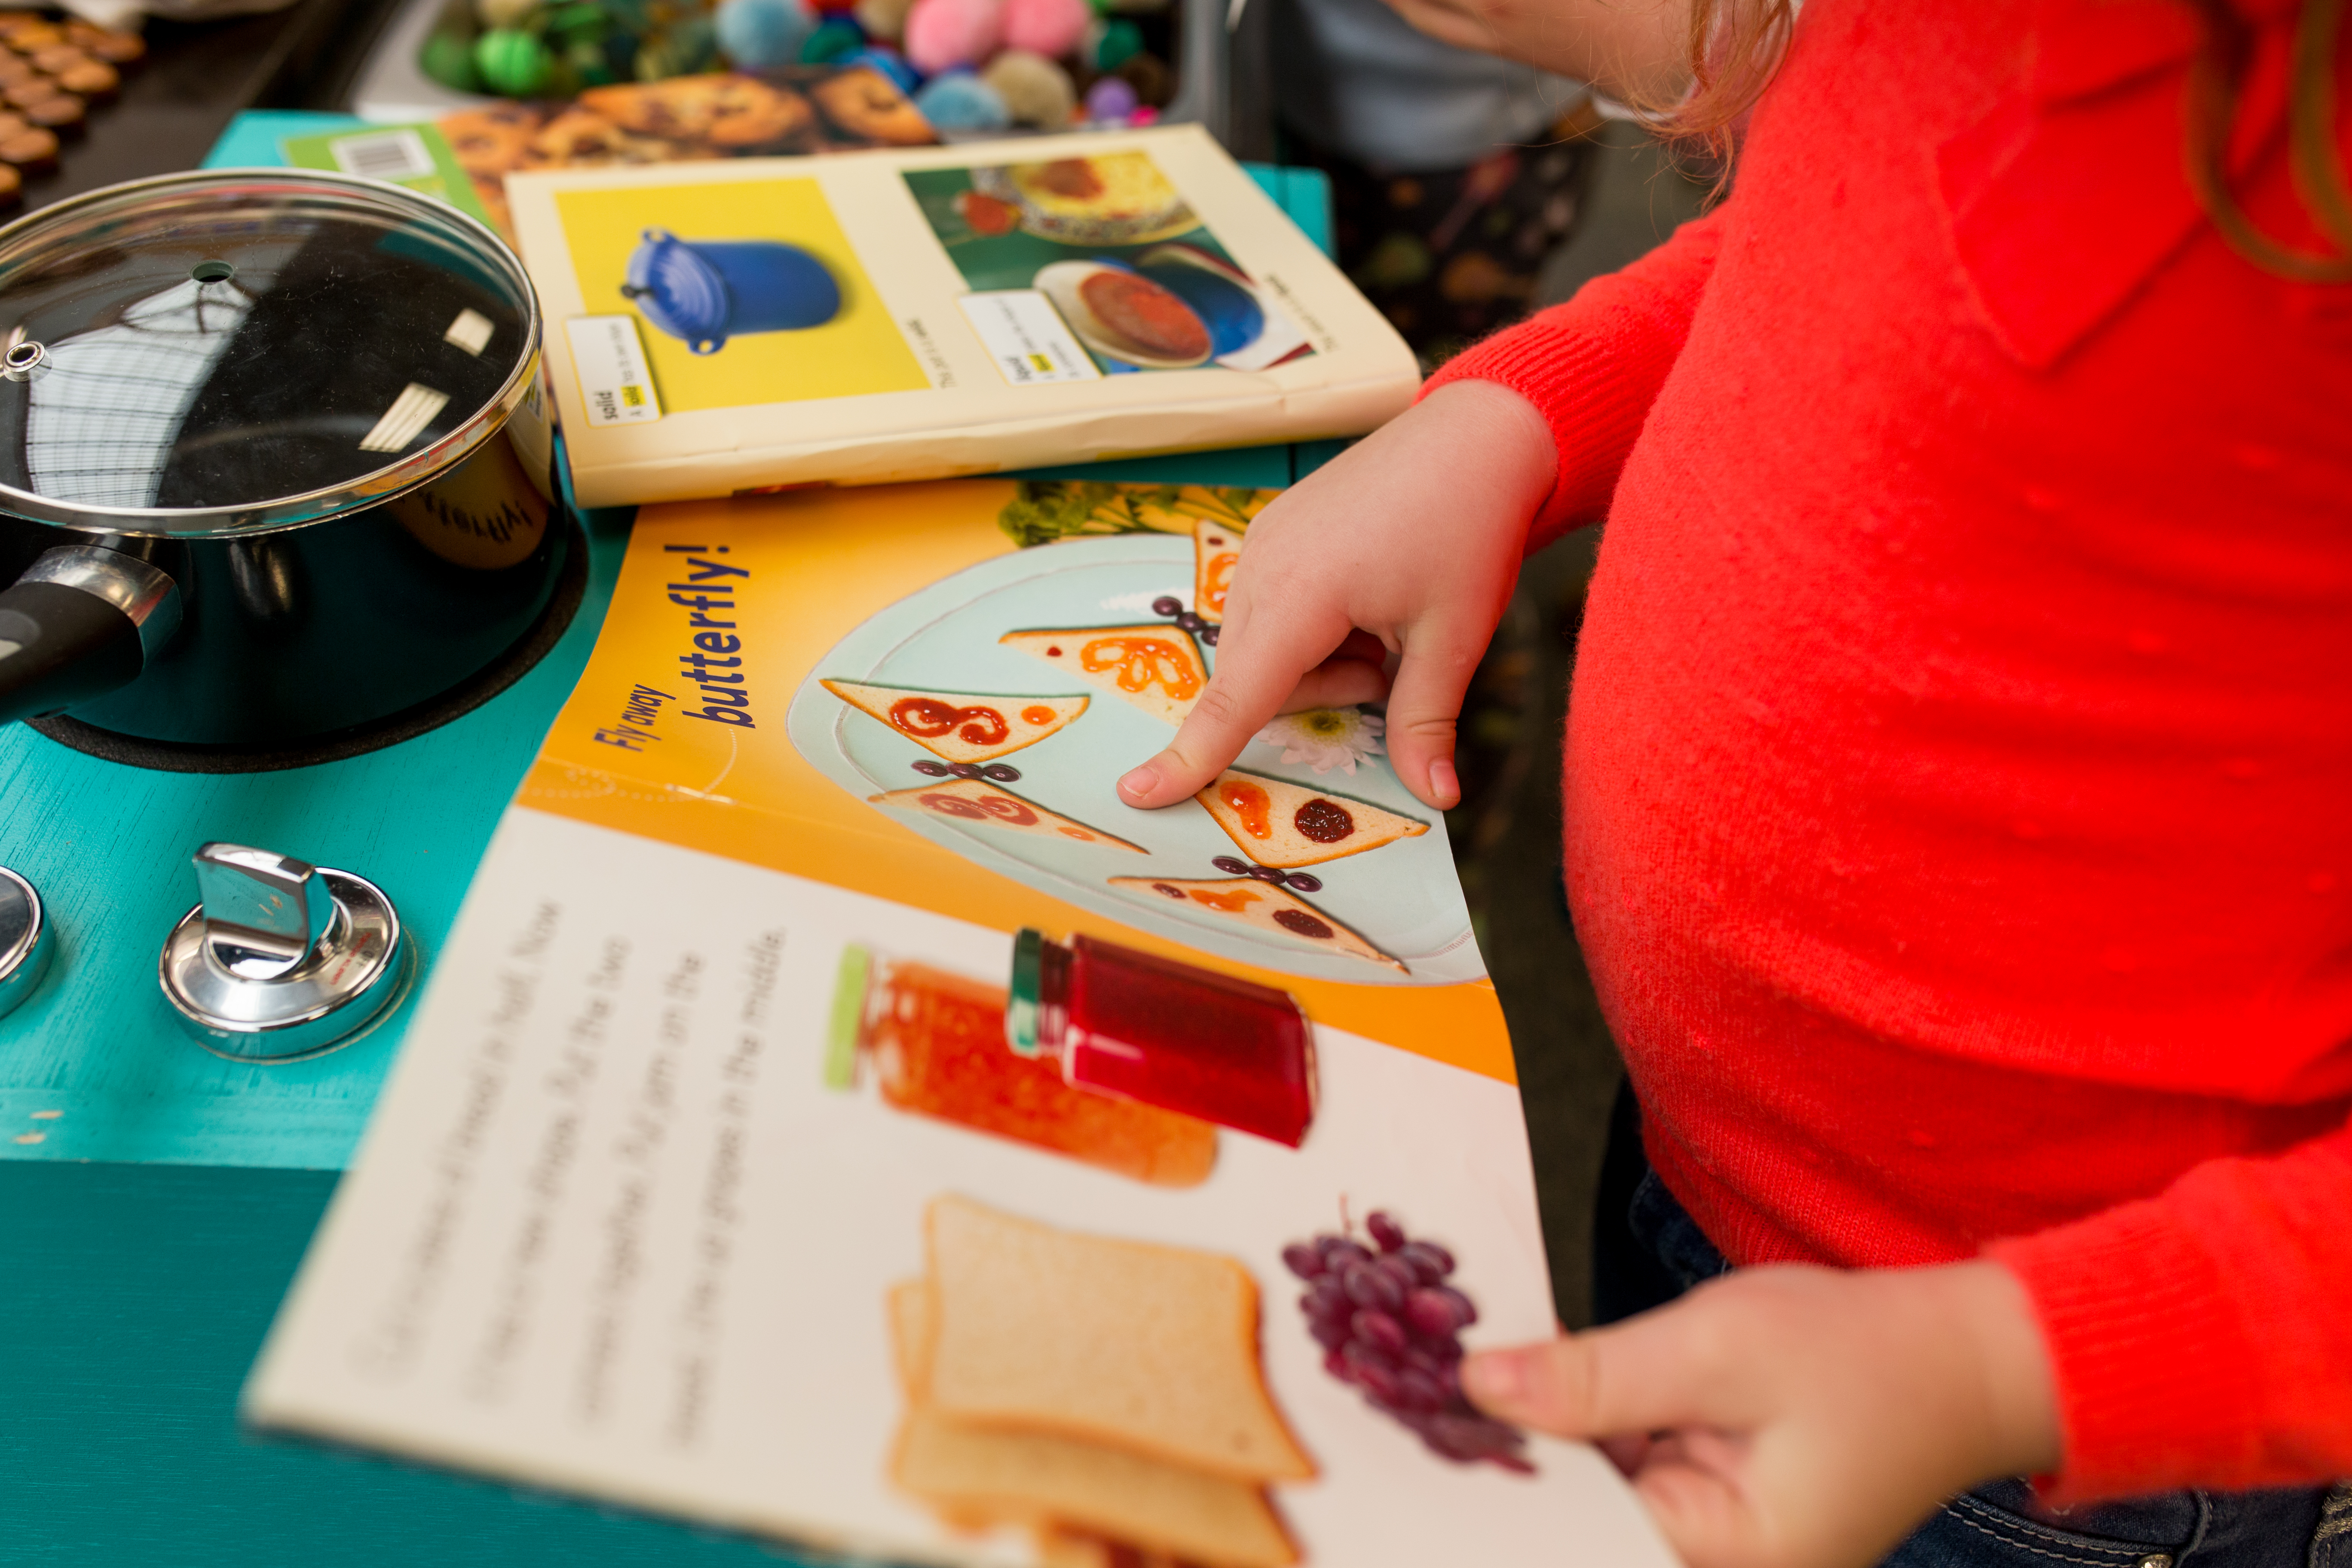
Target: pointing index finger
x=1259 y=662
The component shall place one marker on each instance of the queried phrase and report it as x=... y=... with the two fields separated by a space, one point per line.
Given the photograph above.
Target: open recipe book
x=837 y=1117
x=919 y=313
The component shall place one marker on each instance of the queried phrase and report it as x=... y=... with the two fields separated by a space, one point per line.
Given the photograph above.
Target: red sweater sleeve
x=1594 y=364
x=2202 y=1337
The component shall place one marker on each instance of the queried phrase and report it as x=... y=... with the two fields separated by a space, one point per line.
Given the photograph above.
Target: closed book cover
x=835 y=1116
x=724 y=328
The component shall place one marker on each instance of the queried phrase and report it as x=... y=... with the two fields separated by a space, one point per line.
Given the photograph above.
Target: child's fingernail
x=1442 y=784
x=1137 y=781
x=1494 y=1377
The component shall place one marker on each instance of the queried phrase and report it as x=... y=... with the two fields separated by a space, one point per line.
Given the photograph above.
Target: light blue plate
x=1403 y=896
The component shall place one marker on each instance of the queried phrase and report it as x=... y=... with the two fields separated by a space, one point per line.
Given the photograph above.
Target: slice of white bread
x=974 y=1474
x=1216 y=550
x=1148 y=1348
x=1156 y=667
x=1264 y=906
x=987 y=804
x=910 y=1337
x=1281 y=824
x=1038 y=1477
x=961 y=726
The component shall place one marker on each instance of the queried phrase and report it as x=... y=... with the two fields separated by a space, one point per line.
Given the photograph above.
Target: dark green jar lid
x=1028 y=983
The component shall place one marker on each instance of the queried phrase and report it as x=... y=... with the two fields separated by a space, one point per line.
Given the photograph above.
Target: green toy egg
x=512 y=64
x=449 y=60
x=1120 y=42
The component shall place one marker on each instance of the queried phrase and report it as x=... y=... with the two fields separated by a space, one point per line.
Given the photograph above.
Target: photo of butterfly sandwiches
x=1158 y=667
x=961 y=726
x=1285 y=825
x=1104 y=1394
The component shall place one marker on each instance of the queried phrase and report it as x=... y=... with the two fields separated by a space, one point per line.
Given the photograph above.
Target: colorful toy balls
x=959 y=100
x=762 y=32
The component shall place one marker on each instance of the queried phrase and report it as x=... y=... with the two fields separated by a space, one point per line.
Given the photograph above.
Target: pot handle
x=81 y=621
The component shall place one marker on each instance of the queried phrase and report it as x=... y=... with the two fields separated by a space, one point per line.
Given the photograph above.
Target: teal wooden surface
x=137 y=1295
x=94 y=1066
x=136 y=1298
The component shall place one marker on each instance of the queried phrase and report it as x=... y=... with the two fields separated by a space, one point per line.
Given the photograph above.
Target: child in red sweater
x=1958 y=777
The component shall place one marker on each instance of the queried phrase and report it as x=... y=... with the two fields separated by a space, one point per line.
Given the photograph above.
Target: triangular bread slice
x=961 y=726
x=1277 y=822
x=1156 y=667
x=993 y=805
x=1264 y=906
x=1041 y=1477
x=1147 y=1348
x=1216 y=550
x=976 y=1472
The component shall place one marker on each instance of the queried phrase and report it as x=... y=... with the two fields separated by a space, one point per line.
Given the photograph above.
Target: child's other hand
x=1800 y=1417
x=1413 y=535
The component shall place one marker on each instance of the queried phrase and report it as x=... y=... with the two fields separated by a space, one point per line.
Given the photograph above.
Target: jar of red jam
x=1166 y=1033
x=934 y=1043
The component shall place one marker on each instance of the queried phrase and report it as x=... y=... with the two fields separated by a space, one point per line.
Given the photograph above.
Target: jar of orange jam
x=934 y=1043
x=1165 y=1032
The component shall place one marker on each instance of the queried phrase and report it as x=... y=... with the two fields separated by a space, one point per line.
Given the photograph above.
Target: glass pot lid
x=245 y=349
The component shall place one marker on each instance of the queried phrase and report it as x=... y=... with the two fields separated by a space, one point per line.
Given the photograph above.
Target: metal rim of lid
x=320 y=1012
x=24 y=959
x=394 y=480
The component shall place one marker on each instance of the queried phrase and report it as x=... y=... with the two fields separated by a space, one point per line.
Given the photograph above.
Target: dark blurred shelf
x=197 y=75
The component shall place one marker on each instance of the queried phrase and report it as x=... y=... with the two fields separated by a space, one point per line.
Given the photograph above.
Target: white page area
x=610 y=1233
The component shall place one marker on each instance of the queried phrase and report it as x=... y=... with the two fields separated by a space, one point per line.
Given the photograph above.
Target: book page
x=731 y=1172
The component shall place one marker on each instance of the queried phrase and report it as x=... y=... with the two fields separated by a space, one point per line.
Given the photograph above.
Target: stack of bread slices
x=1104 y=1394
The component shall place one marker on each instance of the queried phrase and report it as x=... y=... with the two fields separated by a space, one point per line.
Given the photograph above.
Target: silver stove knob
x=282 y=961
x=24 y=940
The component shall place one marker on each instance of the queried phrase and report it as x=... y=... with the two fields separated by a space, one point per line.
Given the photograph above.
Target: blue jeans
x=1647 y=1250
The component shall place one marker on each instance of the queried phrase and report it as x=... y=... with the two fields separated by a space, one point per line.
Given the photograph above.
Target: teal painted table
x=155 y=1200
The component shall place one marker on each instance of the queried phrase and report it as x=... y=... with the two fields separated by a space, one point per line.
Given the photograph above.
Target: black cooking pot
x=274 y=463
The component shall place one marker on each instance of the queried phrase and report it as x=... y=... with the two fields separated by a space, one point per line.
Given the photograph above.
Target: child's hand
x=1800 y=1417
x=1413 y=535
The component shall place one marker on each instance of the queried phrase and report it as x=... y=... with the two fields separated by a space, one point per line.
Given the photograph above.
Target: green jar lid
x=1021 y=1012
x=847 y=1017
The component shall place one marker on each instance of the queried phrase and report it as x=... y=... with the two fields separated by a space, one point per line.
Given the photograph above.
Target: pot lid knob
x=282 y=961
x=24 y=940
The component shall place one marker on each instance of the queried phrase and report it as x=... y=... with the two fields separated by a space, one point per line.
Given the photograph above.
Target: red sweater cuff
x=1593 y=366
x=2150 y=1356
x=1592 y=391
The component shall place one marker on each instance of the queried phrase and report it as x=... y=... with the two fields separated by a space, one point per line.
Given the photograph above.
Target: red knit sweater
x=1959 y=766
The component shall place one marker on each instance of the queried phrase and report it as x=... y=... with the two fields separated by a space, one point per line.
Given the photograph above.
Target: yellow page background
x=823 y=561
x=859 y=351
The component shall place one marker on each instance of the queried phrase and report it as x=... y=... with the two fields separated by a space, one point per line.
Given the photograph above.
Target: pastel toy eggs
x=1119 y=41
x=961 y=101
x=762 y=32
x=448 y=59
x=834 y=40
x=944 y=33
x=511 y=63
x=1036 y=90
x=1052 y=29
x=882 y=19
x=1110 y=100
x=886 y=62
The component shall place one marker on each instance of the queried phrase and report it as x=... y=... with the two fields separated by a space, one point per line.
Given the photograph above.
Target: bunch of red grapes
x=1391 y=1327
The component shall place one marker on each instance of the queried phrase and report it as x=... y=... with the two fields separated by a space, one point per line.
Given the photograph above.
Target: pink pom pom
x=1049 y=28
x=944 y=33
